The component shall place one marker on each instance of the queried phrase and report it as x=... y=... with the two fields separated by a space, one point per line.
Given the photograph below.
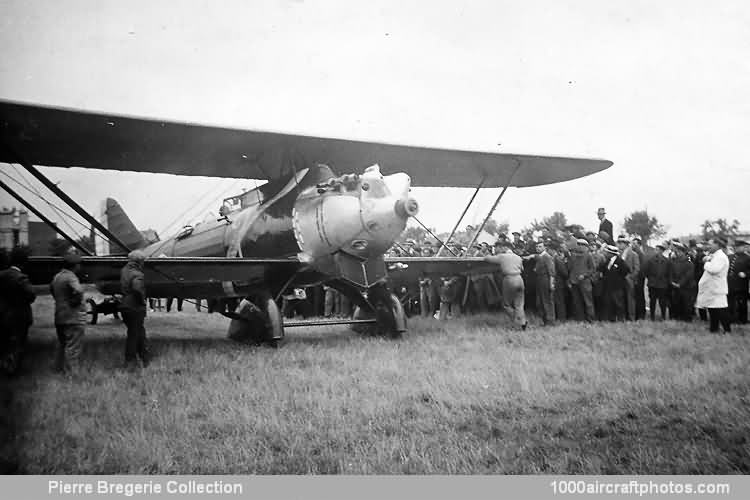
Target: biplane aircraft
x=330 y=210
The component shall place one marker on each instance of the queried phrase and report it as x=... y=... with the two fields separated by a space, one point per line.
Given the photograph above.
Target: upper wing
x=70 y=138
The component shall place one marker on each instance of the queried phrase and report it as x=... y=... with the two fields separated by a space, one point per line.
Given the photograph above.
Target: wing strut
x=458 y=222
x=36 y=212
x=67 y=199
x=494 y=206
x=434 y=236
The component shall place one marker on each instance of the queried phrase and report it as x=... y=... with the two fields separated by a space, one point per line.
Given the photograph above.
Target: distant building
x=14 y=227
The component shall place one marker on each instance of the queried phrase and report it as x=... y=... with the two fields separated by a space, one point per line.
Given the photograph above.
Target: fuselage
x=311 y=215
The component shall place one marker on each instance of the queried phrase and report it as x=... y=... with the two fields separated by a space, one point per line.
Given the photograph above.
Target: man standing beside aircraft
x=581 y=270
x=634 y=264
x=656 y=271
x=70 y=316
x=511 y=267
x=544 y=269
x=614 y=271
x=16 y=296
x=133 y=308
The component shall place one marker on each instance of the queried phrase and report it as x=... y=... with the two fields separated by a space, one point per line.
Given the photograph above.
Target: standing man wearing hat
x=70 y=314
x=640 y=296
x=614 y=271
x=16 y=296
x=133 y=308
x=581 y=270
x=682 y=281
x=605 y=226
x=739 y=271
x=544 y=270
x=634 y=264
x=713 y=288
x=656 y=272
x=560 y=294
x=518 y=244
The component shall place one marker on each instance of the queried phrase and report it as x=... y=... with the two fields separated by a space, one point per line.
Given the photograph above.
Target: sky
x=662 y=89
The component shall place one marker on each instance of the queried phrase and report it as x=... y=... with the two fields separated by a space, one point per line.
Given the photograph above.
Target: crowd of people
x=558 y=276
x=588 y=276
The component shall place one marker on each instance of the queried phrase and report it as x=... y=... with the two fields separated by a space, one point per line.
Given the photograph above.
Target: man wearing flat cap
x=133 y=308
x=581 y=271
x=70 y=314
x=739 y=271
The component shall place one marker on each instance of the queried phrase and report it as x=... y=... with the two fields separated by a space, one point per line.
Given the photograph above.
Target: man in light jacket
x=713 y=287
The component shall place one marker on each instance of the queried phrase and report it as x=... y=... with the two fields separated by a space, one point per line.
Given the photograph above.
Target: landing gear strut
x=386 y=309
x=257 y=321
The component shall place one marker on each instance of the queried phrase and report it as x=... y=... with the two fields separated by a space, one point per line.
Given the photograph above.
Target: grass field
x=461 y=397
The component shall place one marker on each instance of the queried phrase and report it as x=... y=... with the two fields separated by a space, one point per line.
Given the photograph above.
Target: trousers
x=716 y=316
x=135 y=345
x=69 y=347
x=513 y=298
x=583 y=300
x=544 y=302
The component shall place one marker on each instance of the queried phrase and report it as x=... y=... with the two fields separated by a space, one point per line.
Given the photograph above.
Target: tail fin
x=114 y=218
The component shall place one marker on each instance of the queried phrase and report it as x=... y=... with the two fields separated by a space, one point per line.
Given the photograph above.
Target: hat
x=680 y=245
x=612 y=249
x=590 y=233
x=516 y=233
x=72 y=258
x=661 y=245
x=622 y=239
x=637 y=238
x=136 y=256
x=410 y=241
x=601 y=210
x=582 y=241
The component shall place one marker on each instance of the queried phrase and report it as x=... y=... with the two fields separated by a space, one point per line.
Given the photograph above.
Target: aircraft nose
x=407 y=207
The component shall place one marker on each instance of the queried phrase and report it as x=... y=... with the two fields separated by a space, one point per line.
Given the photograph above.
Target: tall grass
x=469 y=396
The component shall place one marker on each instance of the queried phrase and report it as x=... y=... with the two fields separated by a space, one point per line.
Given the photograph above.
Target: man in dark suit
x=656 y=272
x=614 y=271
x=16 y=296
x=682 y=281
x=737 y=278
x=544 y=271
x=605 y=226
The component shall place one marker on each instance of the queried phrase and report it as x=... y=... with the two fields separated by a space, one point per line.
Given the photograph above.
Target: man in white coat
x=713 y=287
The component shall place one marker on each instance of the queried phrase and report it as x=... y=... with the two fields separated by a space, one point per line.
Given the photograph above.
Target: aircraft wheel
x=390 y=315
x=259 y=322
x=92 y=311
